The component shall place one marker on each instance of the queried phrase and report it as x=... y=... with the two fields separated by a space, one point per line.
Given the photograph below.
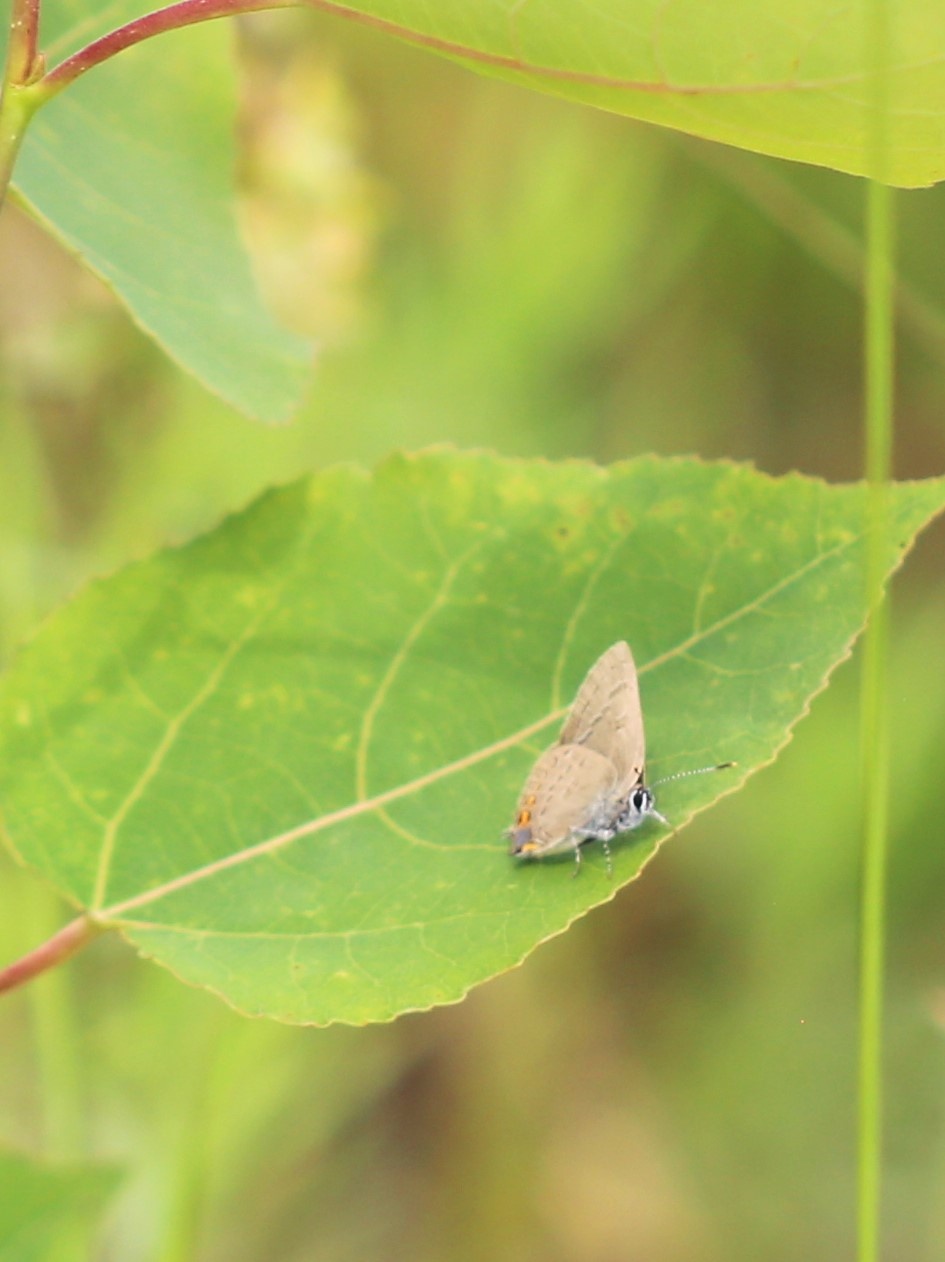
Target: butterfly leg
x=603 y=835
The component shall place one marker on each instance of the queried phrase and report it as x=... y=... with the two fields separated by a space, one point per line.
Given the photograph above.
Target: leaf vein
x=596 y=574
x=440 y=597
x=161 y=750
x=515 y=739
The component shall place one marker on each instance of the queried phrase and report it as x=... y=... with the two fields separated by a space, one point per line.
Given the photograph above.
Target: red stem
x=188 y=12
x=71 y=938
x=24 y=40
x=184 y=13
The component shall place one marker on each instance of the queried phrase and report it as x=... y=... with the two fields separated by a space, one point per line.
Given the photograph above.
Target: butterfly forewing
x=606 y=716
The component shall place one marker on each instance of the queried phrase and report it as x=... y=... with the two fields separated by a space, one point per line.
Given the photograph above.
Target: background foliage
x=674 y=1079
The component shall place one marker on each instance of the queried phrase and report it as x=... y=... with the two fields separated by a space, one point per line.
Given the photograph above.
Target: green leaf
x=788 y=82
x=40 y=1206
x=281 y=759
x=131 y=167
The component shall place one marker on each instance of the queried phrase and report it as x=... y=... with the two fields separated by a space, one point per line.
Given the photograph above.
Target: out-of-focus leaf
x=132 y=167
x=789 y=82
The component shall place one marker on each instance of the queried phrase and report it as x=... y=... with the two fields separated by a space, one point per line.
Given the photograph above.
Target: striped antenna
x=697 y=771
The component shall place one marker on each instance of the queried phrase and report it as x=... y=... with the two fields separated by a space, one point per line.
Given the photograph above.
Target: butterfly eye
x=642 y=800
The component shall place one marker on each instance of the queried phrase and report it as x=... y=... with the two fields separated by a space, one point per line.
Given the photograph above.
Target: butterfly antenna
x=696 y=771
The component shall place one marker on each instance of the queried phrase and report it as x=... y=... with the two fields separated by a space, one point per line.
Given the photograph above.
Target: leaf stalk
x=24 y=65
x=70 y=939
x=19 y=97
x=158 y=22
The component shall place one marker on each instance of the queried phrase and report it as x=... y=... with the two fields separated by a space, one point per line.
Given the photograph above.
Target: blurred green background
x=674 y=1080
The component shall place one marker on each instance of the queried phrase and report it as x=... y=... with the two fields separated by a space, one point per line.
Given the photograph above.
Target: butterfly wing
x=606 y=716
x=569 y=788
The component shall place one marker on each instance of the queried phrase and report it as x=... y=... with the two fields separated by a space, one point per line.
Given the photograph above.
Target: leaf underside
x=132 y=168
x=281 y=759
x=744 y=73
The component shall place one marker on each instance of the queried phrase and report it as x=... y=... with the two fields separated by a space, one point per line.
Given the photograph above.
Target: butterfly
x=591 y=784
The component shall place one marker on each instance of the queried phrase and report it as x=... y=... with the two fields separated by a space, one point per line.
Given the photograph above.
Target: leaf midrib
x=357 y=808
x=518 y=65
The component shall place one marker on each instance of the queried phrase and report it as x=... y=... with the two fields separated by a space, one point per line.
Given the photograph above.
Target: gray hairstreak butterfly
x=590 y=785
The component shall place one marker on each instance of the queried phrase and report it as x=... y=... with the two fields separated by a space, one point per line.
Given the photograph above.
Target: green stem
x=879 y=342
x=13 y=120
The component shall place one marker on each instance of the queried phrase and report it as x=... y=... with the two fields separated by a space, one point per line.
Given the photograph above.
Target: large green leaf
x=281 y=759
x=41 y=1205
x=132 y=168
x=784 y=80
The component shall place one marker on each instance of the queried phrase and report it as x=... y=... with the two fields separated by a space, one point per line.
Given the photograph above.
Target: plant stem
x=172 y=18
x=23 y=64
x=874 y=719
x=71 y=938
x=18 y=99
x=13 y=120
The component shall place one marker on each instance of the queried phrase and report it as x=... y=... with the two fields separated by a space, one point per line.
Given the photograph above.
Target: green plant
x=278 y=759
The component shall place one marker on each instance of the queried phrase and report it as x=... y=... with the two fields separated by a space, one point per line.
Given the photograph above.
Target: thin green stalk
x=14 y=116
x=874 y=718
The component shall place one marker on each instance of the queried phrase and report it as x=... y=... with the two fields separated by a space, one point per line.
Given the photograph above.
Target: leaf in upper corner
x=42 y=1204
x=793 y=82
x=281 y=759
x=131 y=167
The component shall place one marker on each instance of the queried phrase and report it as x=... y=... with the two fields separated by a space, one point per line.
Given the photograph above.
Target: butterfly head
x=638 y=806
